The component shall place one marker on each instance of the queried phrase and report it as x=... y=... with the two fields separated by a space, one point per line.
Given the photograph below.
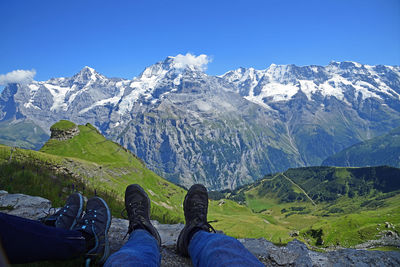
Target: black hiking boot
x=137 y=205
x=94 y=226
x=67 y=216
x=195 y=207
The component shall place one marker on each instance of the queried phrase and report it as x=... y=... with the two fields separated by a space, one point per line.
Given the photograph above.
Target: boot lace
x=136 y=216
x=199 y=214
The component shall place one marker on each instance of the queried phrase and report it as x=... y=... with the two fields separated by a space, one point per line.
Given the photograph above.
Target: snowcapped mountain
x=225 y=130
x=345 y=81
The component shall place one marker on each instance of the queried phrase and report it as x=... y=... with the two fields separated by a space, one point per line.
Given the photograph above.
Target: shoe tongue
x=136 y=199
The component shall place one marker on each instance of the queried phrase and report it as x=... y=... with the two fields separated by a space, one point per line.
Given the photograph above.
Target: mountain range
x=222 y=131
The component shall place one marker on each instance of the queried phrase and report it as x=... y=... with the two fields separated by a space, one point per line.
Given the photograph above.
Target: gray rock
x=117 y=232
x=168 y=232
x=24 y=205
x=354 y=257
x=63 y=135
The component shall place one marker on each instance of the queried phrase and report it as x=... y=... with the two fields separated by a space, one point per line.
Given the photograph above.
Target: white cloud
x=17 y=76
x=200 y=62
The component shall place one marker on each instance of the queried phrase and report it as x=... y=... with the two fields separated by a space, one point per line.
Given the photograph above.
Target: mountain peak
x=87 y=70
x=87 y=74
x=177 y=64
x=185 y=62
x=345 y=64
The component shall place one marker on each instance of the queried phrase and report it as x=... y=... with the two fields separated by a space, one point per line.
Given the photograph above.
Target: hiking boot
x=195 y=207
x=67 y=216
x=137 y=205
x=94 y=226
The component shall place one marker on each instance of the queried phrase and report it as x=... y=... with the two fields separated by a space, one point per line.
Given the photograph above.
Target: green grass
x=388 y=248
x=258 y=204
x=63 y=125
x=92 y=146
x=355 y=228
x=339 y=220
x=28 y=177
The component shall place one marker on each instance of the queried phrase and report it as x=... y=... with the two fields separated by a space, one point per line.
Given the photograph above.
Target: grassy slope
x=63 y=125
x=344 y=221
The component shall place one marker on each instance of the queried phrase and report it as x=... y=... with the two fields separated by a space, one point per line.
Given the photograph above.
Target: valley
x=324 y=207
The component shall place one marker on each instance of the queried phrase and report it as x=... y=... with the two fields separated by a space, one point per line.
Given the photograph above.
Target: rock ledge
x=294 y=253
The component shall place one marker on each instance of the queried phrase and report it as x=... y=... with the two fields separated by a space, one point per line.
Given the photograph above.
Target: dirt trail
x=290 y=180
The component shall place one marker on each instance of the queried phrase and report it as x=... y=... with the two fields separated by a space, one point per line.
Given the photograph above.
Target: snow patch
x=34 y=87
x=203 y=106
x=277 y=91
x=58 y=94
x=112 y=100
x=31 y=105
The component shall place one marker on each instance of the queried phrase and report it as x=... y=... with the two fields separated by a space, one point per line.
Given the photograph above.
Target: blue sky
x=121 y=38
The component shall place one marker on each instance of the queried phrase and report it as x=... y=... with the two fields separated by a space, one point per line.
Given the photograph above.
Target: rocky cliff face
x=63 y=135
x=222 y=131
x=295 y=253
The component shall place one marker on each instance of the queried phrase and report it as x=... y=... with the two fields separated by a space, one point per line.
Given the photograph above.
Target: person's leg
x=67 y=216
x=143 y=247
x=26 y=240
x=206 y=248
x=94 y=226
x=210 y=249
x=140 y=250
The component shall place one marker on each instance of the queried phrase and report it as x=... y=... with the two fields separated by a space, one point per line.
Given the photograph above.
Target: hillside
x=327 y=206
x=310 y=204
x=381 y=150
x=22 y=133
x=88 y=162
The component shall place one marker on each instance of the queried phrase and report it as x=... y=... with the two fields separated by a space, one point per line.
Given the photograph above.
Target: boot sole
x=107 y=245
x=79 y=214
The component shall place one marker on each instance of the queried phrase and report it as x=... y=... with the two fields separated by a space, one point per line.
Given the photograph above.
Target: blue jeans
x=140 y=250
x=208 y=249
x=26 y=241
x=205 y=249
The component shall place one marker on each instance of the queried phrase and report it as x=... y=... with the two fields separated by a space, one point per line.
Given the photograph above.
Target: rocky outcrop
x=24 y=205
x=294 y=253
x=64 y=134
